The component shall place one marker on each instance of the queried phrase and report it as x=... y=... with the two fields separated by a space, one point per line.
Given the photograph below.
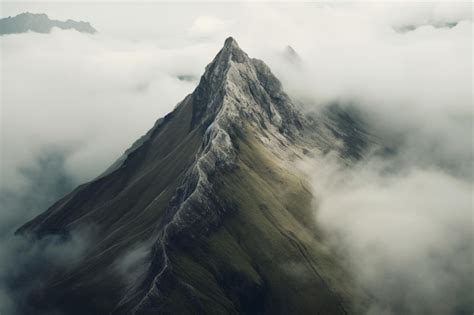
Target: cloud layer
x=407 y=236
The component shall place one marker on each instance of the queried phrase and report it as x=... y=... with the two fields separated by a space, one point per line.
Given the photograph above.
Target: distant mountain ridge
x=40 y=23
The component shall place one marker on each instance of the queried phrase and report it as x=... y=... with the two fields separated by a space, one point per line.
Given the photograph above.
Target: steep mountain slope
x=39 y=23
x=214 y=193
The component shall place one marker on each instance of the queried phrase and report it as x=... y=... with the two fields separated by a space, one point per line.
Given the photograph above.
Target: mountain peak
x=230 y=42
x=243 y=86
x=209 y=193
x=232 y=48
x=231 y=52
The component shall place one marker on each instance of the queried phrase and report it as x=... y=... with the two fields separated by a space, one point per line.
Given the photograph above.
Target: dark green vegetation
x=214 y=194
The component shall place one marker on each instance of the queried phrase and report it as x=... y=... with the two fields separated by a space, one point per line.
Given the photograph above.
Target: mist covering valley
x=399 y=217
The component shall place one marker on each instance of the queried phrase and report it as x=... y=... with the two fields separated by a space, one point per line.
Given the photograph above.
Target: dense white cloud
x=407 y=235
x=85 y=95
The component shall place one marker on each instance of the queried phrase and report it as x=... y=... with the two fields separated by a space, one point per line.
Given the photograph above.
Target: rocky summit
x=213 y=198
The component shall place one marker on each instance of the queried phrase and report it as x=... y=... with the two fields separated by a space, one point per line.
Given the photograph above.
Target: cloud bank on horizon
x=71 y=103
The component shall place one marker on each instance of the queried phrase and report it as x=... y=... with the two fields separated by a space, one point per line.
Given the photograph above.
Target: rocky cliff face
x=213 y=194
x=39 y=23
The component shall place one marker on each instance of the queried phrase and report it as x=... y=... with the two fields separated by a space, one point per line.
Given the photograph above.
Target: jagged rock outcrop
x=40 y=23
x=214 y=193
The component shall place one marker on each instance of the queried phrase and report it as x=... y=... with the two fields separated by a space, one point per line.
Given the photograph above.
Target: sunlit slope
x=266 y=257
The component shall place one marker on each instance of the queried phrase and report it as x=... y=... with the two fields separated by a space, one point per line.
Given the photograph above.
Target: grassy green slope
x=265 y=258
